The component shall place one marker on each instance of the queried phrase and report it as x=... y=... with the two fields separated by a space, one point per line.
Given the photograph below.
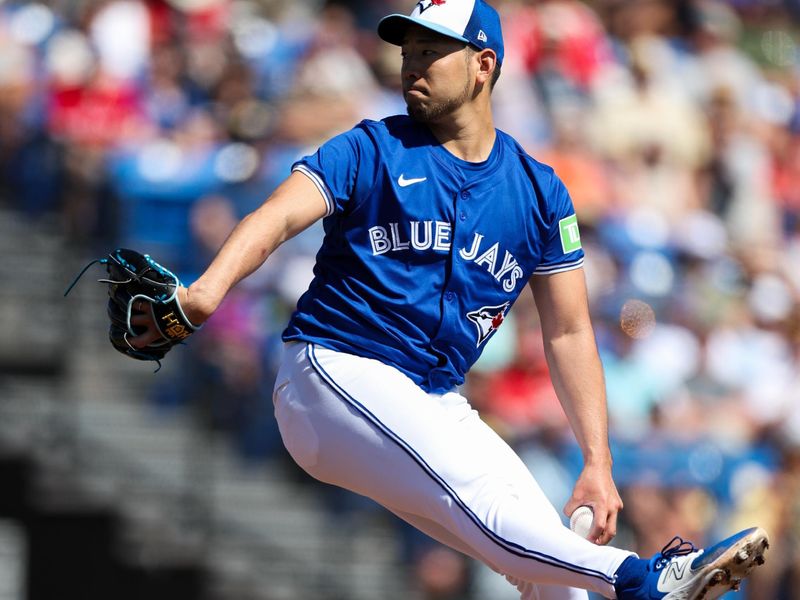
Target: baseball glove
x=133 y=277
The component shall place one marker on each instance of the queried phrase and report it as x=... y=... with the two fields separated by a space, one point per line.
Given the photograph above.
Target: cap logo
x=482 y=36
x=424 y=5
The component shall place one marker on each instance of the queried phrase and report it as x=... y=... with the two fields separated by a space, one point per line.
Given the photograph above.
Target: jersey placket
x=446 y=339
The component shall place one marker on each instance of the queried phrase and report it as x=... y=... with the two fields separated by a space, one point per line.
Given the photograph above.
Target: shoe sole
x=727 y=572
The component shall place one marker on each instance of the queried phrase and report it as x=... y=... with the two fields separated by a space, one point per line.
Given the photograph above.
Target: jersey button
x=465 y=195
x=449 y=296
x=462 y=216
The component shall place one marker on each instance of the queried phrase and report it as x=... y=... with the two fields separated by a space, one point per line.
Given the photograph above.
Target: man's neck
x=467 y=134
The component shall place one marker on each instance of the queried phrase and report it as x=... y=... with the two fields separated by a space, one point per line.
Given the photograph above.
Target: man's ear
x=487 y=63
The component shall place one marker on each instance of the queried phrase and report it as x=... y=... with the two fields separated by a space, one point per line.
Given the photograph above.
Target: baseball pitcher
x=434 y=223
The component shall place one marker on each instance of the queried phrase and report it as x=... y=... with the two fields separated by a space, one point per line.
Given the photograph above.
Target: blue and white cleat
x=682 y=572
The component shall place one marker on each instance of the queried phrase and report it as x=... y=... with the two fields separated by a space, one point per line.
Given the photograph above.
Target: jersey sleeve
x=562 y=247
x=337 y=166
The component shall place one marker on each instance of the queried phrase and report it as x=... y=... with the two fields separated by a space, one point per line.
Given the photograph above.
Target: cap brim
x=393 y=28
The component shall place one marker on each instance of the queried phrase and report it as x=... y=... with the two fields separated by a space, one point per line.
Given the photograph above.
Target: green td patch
x=570 y=235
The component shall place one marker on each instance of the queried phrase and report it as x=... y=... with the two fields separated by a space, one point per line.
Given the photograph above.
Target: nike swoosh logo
x=406 y=182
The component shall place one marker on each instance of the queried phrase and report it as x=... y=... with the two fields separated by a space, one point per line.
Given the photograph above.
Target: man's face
x=436 y=74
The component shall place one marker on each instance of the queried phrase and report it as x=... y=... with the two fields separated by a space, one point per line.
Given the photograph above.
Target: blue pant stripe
x=509 y=546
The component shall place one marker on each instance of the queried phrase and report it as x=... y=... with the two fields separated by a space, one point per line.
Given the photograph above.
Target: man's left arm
x=577 y=376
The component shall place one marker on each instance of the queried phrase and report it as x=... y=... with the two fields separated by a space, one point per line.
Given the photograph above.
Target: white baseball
x=581 y=521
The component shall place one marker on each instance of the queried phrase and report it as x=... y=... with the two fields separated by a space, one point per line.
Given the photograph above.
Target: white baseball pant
x=360 y=424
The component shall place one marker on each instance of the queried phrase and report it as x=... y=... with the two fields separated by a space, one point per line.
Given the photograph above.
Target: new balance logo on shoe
x=676 y=570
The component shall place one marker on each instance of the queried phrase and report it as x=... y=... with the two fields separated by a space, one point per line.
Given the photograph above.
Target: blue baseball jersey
x=424 y=253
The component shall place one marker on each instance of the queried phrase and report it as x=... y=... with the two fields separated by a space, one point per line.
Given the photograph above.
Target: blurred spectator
x=520 y=399
x=654 y=135
x=441 y=574
x=583 y=171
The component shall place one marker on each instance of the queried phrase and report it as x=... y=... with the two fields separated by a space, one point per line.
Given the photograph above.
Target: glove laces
x=677 y=546
x=101 y=261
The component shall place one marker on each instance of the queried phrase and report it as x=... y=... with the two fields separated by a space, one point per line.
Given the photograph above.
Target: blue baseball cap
x=474 y=22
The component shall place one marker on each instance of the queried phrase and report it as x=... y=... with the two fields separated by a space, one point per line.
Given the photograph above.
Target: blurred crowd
x=675 y=125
